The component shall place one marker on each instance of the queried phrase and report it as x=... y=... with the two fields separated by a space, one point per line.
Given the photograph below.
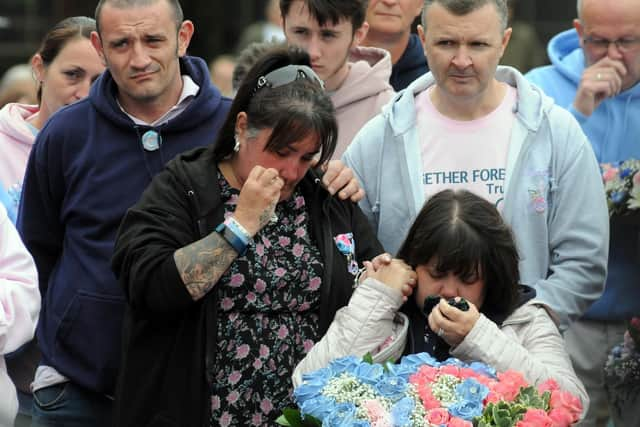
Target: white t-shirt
x=470 y=155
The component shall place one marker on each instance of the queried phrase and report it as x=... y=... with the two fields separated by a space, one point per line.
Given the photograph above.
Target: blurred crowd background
x=223 y=27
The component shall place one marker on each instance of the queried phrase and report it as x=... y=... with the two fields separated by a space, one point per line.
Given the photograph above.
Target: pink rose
x=314 y=283
x=260 y=286
x=227 y=304
x=236 y=280
x=459 y=422
x=284 y=241
x=438 y=416
x=509 y=384
x=264 y=351
x=374 y=409
x=251 y=297
x=233 y=397
x=257 y=364
x=548 y=385
x=560 y=417
x=256 y=419
x=215 y=403
x=567 y=401
x=283 y=332
x=297 y=250
x=535 y=418
x=266 y=406
x=450 y=370
x=242 y=351
x=234 y=377
x=308 y=345
x=225 y=419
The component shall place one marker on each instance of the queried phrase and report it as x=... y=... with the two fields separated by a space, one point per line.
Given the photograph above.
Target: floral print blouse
x=268 y=305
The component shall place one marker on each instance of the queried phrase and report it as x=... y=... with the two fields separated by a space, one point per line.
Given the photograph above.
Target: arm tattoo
x=202 y=263
x=266 y=214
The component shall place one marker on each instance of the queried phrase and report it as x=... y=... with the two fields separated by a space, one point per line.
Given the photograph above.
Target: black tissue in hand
x=433 y=300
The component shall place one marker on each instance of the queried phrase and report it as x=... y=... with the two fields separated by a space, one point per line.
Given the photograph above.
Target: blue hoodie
x=614 y=132
x=86 y=169
x=411 y=65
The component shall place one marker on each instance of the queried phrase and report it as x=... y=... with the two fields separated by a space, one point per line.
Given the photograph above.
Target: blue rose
x=368 y=373
x=413 y=361
x=307 y=391
x=402 y=371
x=316 y=377
x=483 y=369
x=466 y=409
x=401 y=412
x=344 y=364
x=392 y=387
x=454 y=362
x=319 y=407
x=470 y=389
x=342 y=415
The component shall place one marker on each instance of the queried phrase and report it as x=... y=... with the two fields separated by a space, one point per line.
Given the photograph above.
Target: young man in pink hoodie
x=356 y=78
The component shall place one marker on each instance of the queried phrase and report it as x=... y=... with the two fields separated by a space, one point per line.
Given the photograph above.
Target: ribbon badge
x=347 y=247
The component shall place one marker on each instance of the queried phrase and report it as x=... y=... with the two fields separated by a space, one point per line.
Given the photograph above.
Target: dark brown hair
x=332 y=11
x=61 y=34
x=468 y=237
x=293 y=110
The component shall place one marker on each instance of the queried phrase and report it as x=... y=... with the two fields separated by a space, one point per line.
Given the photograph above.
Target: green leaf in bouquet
x=530 y=398
x=368 y=358
x=497 y=415
x=292 y=418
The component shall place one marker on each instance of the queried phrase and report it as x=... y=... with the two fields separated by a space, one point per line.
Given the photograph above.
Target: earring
x=236 y=147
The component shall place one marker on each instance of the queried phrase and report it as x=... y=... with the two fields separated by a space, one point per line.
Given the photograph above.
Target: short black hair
x=467 y=236
x=332 y=11
x=294 y=110
x=464 y=7
x=178 y=15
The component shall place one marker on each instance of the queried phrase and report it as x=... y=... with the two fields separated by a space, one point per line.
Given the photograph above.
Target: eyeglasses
x=624 y=45
x=288 y=74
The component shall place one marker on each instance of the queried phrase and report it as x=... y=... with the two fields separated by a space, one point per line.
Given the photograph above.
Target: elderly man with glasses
x=594 y=74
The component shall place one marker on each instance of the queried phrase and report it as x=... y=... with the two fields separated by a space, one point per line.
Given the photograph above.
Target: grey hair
x=178 y=15
x=464 y=7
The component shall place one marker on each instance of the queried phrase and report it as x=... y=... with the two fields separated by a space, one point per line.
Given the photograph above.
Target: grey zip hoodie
x=554 y=199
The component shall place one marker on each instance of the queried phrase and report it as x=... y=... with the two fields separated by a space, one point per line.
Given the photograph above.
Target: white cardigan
x=19 y=307
x=528 y=341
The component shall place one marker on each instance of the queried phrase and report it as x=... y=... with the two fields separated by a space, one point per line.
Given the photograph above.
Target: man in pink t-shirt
x=471 y=124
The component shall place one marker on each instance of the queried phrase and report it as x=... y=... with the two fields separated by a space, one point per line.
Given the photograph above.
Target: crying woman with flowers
x=467 y=303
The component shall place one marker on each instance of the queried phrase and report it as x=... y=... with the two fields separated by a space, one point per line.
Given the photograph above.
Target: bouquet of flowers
x=420 y=391
x=622 y=185
x=622 y=377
